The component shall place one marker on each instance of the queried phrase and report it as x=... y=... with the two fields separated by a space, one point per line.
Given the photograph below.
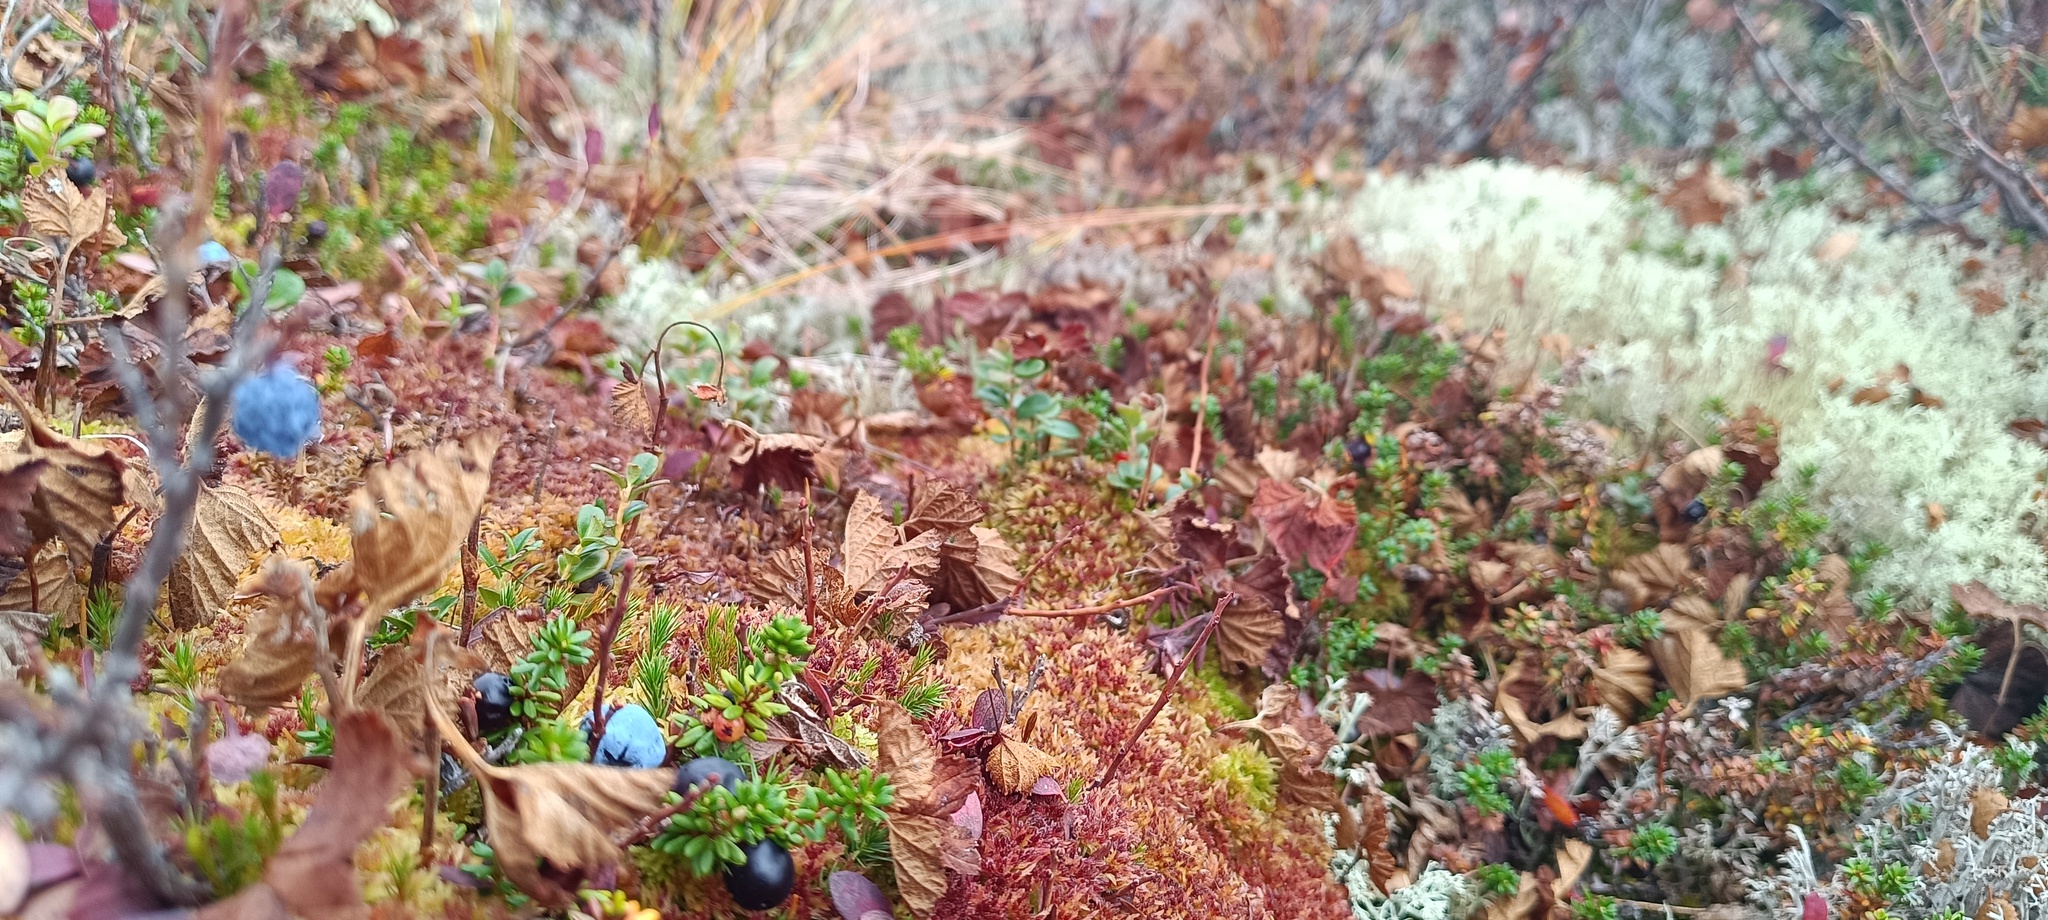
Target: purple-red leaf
x=105 y=14
x=281 y=188
x=856 y=897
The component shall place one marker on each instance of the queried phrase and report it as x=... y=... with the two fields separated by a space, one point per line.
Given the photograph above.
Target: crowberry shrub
x=277 y=411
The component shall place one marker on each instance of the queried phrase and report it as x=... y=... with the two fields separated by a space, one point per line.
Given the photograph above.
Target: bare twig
x=610 y=634
x=1815 y=124
x=1100 y=609
x=1179 y=670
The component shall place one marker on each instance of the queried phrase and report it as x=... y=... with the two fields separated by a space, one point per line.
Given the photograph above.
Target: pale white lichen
x=1675 y=318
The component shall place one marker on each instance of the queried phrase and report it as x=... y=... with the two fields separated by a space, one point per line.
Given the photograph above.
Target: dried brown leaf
x=551 y=823
x=1249 y=628
x=917 y=849
x=942 y=506
x=18 y=476
x=21 y=638
x=1398 y=704
x=1654 y=577
x=397 y=687
x=313 y=873
x=1694 y=665
x=56 y=208
x=555 y=819
x=76 y=493
x=905 y=755
x=630 y=409
x=229 y=529
x=278 y=654
x=1297 y=740
x=1308 y=525
x=1015 y=765
x=869 y=540
x=502 y=642
x=1622 y=681
x=410 y=518
x=48 y=587
x=786 y=461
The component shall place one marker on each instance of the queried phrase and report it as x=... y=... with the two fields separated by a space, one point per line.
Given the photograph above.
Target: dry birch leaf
x=1015 y=765
x=410 y=518
x=313 y=873
x=228 y=530
x=279 y=652
x=629 y=406
x=76 y=493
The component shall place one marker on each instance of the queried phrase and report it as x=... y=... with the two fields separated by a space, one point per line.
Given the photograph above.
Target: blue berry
x=277 y=412
x=765 y=879
x=631 y=739
x=1696 y=511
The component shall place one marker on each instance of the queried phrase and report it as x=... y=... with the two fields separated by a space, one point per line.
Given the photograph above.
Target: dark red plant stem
x=810 y=579
x=1194 y=652
x=1099 y=609
x=469 y=583
x=604 y=648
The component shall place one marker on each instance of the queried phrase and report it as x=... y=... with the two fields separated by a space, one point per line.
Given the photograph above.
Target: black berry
x=765 y=879
x=701 y=769
x=316 y=231
x=1696 y=511
x=1359 y=451
x=493 y=702
x=82 y=172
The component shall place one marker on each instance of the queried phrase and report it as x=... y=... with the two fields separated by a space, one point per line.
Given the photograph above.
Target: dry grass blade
x=229 y=529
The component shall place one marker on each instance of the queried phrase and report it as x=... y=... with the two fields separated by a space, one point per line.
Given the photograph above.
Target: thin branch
x=1179 y=670
x=605 y=639
x=1815 y=124
x=1100 y=609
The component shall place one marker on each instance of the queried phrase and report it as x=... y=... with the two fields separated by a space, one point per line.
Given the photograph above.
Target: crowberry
x=277 y=411
x=765 y=879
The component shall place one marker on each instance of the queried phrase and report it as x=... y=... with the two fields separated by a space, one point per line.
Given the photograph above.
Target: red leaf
x=1397 y=705
x=1307 y=525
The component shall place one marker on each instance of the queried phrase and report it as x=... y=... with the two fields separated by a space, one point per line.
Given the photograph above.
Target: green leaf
x=1037 y=406
x=1029 y=368
x=286 y=290
x=1061 y=428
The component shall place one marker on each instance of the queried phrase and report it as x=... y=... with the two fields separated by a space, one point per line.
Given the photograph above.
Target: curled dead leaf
x=549 y=823
x=1622 y=681
x=278 y=654
x=1694 y=665
x=785 y=461
x=1654 y=577
x=1015 y=766
x=629 y=406
x=77 y=490
x=1299 y=741
x=313 y=872
x=410 y=518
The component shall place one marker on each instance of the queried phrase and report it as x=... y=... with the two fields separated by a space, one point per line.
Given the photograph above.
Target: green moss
x=1248 y=775
x=1222 y=694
